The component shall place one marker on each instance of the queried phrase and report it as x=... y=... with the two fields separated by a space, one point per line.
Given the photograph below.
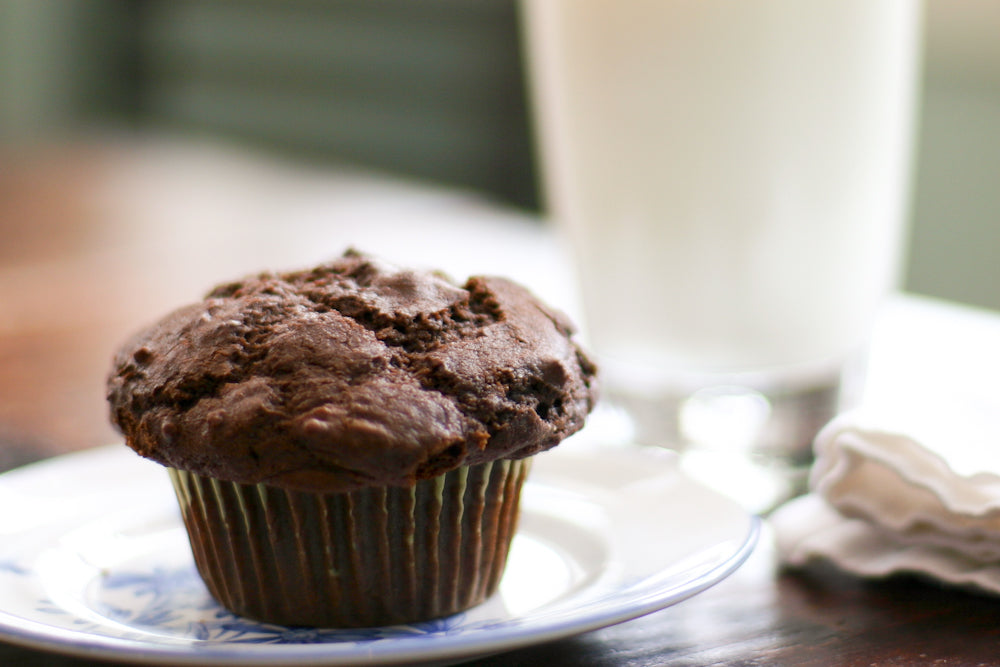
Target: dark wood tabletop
x=71 y=287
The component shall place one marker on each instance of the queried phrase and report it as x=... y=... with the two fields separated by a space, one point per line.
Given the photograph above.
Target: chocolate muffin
x=348 y=443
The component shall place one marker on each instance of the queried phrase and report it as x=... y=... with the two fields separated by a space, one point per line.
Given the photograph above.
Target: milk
x=732 y=174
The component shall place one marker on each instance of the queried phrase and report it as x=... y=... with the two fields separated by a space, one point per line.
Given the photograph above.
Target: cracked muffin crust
x=350 y=375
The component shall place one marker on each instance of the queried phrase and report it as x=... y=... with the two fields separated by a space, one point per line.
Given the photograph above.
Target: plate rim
x=508 y=636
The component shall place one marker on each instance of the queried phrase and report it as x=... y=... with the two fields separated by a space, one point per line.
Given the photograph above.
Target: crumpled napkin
x=916 y=490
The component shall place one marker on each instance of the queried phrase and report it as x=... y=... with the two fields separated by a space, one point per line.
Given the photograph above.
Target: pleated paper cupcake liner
x=376 y=556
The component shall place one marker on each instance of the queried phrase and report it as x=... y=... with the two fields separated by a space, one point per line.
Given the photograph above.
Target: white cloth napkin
x=915 y=489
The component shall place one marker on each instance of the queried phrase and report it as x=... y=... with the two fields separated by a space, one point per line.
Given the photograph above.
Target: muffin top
x=352 y=374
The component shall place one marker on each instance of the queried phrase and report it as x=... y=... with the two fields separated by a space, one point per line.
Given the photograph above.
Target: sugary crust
x=352 y=374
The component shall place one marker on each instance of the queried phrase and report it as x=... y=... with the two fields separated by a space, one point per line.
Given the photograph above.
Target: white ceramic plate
x=94 y=562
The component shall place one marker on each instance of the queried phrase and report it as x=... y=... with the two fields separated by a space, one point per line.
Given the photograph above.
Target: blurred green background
x=435 y=89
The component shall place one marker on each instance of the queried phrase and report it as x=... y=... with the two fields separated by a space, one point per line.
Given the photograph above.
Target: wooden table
x=98 y=240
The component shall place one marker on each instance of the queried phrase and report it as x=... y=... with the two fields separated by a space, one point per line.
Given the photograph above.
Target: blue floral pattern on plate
x=175 y=599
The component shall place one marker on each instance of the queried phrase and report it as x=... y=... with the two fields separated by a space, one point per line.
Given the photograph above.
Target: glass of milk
x=732 y=178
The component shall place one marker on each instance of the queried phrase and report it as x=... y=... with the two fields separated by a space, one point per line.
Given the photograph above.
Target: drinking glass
x=731 y=177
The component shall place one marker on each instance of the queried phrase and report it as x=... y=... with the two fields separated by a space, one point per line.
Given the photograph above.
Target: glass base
x=752 y=443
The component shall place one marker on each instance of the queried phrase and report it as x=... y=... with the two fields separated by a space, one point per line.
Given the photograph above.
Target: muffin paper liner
x=376 y=556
